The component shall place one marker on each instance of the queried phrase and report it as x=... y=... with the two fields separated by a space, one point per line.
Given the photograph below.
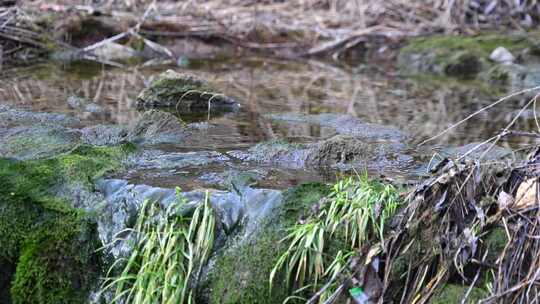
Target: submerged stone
x=155 y=159
x=343 y=124
x=185 y=93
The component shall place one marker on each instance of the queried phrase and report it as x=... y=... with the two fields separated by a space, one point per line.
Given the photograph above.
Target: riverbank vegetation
x=291 y=29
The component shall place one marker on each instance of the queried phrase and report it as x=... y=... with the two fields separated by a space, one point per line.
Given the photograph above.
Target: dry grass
x=309 y=27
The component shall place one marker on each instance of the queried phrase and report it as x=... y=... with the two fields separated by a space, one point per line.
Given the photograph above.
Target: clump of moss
x=58 y=262
x=297 y=201
x=241 y=274
x=453 y=293
x=495 y=242
x=51 y=245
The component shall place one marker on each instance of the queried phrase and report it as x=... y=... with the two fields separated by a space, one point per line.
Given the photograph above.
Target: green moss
x=241 y=274
x=87 y=163
x=495 y=242
x=171 y=88
x=297 y=201
x=452 y=293
x=52 y=244
x=481 y=45
x=58 y=263
x=457 y=56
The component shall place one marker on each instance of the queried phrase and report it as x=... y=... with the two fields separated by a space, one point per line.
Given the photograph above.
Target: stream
x=301 y=121
x=270 y=92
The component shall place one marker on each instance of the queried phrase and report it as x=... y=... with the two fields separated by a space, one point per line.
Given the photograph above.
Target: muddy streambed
x=302 y=121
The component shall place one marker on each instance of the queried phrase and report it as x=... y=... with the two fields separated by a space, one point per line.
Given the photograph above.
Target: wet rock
x=343 y=124
x=346 y=152
x=29 y=135
x=502 y=55
x=83 y=105
x=184 y=92
x=103 y=135
x=156 y=126
x=339 y=152
x=463 y=65
x=245 y=206
x=25 y=143
x=122 y=202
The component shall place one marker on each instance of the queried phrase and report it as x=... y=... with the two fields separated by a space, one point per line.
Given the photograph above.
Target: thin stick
x=478 y=112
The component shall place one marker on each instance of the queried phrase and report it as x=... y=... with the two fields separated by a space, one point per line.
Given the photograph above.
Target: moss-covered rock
x=155 y=126
x=50 y=245
x=456 y=56
x=241 y=273
x=37 y=142
x=184 y=92
x=463 y=64
x=453 y=293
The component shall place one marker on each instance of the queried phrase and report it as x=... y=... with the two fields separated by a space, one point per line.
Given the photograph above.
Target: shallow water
x=421 y=107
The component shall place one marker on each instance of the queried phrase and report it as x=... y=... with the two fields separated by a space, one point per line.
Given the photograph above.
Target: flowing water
x=419 y=107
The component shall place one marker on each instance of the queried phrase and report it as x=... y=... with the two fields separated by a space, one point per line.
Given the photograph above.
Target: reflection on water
x=421 y=107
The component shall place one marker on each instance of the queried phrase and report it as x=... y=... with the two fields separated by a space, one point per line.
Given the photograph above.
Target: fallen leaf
x=526 y=195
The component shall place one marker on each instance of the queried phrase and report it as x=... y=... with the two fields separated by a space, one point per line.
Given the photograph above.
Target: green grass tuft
x=320 y=245
x=167 y=258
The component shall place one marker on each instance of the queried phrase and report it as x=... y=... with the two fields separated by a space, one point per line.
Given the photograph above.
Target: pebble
x=502 y=55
